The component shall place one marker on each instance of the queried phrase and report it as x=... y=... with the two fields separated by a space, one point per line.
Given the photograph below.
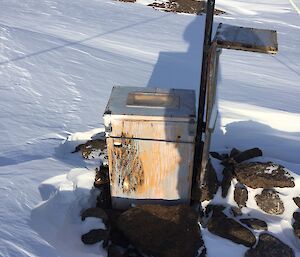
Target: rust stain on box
x=129 y=172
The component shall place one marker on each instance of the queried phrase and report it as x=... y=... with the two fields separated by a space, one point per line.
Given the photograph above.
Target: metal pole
x=210 y=6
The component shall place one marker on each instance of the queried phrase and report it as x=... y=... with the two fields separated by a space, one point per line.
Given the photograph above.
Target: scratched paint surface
x=128 y=173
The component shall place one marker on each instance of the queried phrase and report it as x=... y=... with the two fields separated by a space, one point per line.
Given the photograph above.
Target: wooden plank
x=107 y=118
x=246 y=39
x=210 y=101
x=210 y=6
x=211 y=83
x=153 y=130
x=149 y=170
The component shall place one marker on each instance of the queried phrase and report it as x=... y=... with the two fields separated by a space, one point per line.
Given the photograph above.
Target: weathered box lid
x=151 y=102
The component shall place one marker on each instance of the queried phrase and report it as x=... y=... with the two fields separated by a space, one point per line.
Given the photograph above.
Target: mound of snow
x=57 y=219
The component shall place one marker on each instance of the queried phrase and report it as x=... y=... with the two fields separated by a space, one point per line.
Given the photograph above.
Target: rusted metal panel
x=143 y=171
x=247 y=39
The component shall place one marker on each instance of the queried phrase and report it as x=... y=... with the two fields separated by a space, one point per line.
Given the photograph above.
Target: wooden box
x=150 y=140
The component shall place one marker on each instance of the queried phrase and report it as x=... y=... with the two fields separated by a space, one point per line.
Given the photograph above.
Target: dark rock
x=256 y=224
x=240 y=195
x=162 y=231
x=118 y=238
x=113 y=214
x=263 y=175
x=234 y=152
x=296 y=224
x=102 y=176
x=237 y=157
x=270 y=246
x=218 y=156
x=116 y=235
x=132 y=252
x=297 y=201
x=296 y=216
x=96 y=213
x=86 y=149
x=218 y=208
x=210 y=183
x=209 y=210
x=114 y=251
x=296 y=227
x=102 y=183
x=236 y=211
x=229 y=162
x=270 y=202
x=248 y=154
x=223 y=226
x=182 y=6
x=95 y=236
x=104 y=197
x=226 y=181
x=207 y=213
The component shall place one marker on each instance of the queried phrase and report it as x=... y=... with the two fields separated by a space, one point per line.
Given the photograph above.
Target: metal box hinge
x=108 y=129
x=192 y=127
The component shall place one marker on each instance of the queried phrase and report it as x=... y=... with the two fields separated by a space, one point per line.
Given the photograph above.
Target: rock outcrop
x=240 y=195
x=263 y=175
x=296 y=224
x=270 y=246
x=226 y=181
x=270 y=202
x=223 y=226
x=297 y=201
x=95 y=236
x=163 y=231
x=256 y=224
x=210 y=184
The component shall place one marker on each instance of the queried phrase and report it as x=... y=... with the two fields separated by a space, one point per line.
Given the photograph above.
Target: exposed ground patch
x=180 y=6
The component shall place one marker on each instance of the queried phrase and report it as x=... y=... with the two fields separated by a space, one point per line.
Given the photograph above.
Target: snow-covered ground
x=59 y=60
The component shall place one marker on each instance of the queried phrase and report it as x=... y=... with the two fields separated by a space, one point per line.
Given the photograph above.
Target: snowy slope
x=262 y=91
x=59 y=60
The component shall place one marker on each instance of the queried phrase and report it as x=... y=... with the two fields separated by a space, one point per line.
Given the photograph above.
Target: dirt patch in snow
x=92 y=148
x=180 y=6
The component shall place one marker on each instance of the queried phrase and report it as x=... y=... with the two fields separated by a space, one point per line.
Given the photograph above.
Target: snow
x=271 y=169
x=57 y=218
x=59 y=60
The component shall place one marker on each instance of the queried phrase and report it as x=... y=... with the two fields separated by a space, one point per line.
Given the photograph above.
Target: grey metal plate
x=247 y=39
x=142 y=101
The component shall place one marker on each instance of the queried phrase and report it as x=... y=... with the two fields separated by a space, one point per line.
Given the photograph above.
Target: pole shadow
x=181 y=70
